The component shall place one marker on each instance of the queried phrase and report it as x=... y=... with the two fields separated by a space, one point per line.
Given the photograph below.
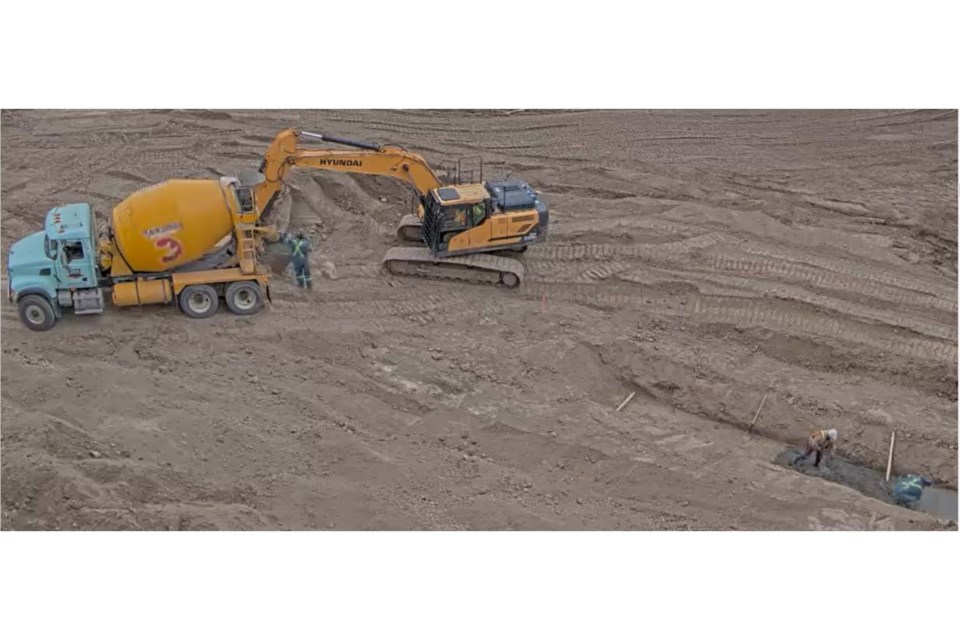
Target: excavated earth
x=700 y=259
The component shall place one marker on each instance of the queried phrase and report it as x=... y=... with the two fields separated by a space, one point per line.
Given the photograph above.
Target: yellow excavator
x=462 y=229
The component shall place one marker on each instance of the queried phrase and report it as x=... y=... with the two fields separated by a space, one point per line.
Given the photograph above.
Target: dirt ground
x=700 y=259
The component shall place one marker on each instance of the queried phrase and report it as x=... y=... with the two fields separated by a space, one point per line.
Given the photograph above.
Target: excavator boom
x=371 y=159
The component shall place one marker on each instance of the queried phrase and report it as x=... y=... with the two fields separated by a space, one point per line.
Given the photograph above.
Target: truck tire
x=36 y=313
x=244 y=298
x=199 y=301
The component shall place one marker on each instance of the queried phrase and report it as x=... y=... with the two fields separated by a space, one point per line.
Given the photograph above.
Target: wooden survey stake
x=757 y=414
x=893 y=437
x=624 y=403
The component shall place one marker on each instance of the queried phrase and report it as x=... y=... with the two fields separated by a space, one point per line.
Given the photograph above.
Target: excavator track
x=478 y=268
x=410 y=229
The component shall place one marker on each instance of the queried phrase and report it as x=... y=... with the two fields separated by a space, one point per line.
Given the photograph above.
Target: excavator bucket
x=277 y=256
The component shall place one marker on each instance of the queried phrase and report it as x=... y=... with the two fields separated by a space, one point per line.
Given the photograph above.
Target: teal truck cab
x=56 y=268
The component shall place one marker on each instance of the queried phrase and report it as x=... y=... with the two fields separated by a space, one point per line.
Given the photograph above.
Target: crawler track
x=410 y=229
x=479 y=268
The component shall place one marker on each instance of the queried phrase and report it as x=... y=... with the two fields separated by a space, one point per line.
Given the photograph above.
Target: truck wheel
x=244 y=298
x=199 y=301
x=36 y=312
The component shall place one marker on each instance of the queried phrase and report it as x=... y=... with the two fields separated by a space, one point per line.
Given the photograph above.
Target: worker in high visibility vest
x=908 y=489
x=822 y=443
x=477 y=214
x=300 y=253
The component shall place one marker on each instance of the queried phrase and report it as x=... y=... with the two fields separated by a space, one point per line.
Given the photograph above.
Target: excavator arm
x=460 y=250
x=367 y=158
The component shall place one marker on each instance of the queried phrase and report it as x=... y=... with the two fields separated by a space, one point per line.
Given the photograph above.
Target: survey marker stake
x=757 y=414
x=893 y=437
x=629 y=398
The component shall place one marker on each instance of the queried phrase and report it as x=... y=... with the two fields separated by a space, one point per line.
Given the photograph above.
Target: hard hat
x=832 y=434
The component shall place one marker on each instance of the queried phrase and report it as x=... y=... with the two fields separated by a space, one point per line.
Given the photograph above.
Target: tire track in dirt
x=601 y=251
x=602 y=271
x=894 y=289
x=570 y=262
x=937 y=289
x=763 y=313
x=893 y=318
x=546 y=271
x=581 y=273
x=546 y=262
x=745 y=312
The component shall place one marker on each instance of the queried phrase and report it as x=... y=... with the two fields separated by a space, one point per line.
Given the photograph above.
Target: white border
x=494 y=53
x=476 y=585
x=509 y=54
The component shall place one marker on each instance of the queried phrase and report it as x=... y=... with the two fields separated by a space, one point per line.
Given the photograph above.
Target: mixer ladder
x=247 y=248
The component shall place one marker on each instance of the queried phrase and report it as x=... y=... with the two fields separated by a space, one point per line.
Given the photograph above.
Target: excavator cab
x=492 y=216
x=452 y=211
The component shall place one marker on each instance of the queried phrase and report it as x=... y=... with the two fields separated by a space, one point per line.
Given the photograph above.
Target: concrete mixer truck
x=192 y=242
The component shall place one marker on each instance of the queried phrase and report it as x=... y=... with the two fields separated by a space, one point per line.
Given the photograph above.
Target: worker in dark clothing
x=300 y=249
x=908 y=490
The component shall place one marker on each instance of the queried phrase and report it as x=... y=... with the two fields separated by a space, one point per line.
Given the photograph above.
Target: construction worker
x=477 y=214
x=300 y=248
x=822 y=443
x=908 y=489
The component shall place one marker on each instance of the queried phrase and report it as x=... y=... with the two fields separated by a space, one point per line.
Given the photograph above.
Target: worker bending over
x=300 y=248
x=822 y=443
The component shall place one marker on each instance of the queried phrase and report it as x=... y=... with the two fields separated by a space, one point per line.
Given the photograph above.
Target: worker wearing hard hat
x=822 y=443
x=300 y=249
x=908 y=489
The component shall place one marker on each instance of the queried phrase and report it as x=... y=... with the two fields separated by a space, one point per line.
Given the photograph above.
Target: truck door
x=76 y=267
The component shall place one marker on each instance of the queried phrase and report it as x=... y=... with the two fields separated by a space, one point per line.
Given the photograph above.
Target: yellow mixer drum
x=171 y=224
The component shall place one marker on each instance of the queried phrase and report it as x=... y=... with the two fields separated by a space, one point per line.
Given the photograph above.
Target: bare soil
x=700 y=259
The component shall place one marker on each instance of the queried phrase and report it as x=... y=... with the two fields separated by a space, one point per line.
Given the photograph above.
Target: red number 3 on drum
x=173 y=247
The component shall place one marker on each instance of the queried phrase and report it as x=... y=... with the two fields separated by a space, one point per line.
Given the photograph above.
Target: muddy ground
x=701 y=259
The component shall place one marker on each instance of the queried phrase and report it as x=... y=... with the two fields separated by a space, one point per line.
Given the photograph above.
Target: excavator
x=465 y=231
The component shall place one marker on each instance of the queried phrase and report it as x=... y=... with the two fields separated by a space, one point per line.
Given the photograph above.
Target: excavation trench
x=936 y=501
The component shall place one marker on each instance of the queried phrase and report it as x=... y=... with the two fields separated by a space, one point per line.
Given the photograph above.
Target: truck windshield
x=245 y=198
x=50 y=247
